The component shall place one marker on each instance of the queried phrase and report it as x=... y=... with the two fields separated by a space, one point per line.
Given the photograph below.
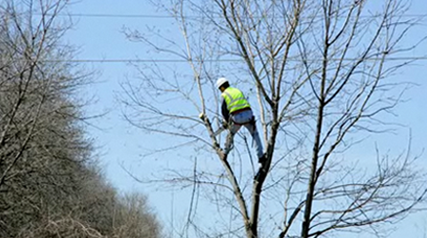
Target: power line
x=421 y=58
x=108 y=15
x=116 y=15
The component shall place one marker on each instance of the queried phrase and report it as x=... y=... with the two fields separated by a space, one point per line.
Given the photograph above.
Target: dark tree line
x=50 y=184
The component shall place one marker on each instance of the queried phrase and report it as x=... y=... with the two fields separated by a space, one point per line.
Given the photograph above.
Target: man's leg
x=247 y=119
x=233 y=129
x=255 y=136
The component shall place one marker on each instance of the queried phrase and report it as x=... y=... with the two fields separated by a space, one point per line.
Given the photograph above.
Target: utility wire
x=107 y=15
x=421 y=58
x=116 y=15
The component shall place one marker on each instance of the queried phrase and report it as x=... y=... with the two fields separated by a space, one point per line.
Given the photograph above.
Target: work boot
x=260 y=170
x=262 y=159
x=260 y=166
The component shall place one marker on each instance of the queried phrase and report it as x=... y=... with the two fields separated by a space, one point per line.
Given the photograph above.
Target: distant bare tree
x=50 y=185
x=27 y=86
x=67 y=227
x=322 y=74
x=41 y=147
x=133 y=218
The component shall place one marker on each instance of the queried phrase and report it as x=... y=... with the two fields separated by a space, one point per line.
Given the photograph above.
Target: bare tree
x=322 y=74
x=40 y=146
x=50 y=185
x=133 y=218
x=25 y=84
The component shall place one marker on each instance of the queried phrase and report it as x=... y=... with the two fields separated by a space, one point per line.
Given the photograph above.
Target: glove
x=224 y=124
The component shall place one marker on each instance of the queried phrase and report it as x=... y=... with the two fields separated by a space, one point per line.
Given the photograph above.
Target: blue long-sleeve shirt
x=224 y=110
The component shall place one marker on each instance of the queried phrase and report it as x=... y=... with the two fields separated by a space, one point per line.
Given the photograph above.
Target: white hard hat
x=221 y=81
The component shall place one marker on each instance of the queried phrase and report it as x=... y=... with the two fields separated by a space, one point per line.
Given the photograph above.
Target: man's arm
x=224 y=110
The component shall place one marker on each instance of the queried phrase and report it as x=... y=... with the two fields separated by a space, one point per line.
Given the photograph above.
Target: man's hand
x=225 y=124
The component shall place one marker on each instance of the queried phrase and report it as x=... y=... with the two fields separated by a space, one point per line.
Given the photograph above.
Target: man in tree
x=237 y=112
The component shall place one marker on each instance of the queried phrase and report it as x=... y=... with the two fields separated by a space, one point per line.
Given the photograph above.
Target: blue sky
x=98 y=34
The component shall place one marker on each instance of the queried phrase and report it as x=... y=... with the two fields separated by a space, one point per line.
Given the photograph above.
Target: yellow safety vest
x=235 y=99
